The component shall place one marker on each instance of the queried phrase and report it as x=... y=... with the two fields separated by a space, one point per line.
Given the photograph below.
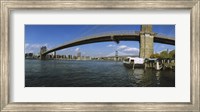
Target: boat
x=134 y=62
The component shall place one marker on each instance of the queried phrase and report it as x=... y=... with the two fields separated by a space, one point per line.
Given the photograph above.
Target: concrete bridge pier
x=146 y=41
x=43 y=49
x=42 y=57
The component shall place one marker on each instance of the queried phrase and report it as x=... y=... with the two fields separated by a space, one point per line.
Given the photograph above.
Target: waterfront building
x=82 y=57
x=87 y=58
x=70 y=57
x=74 y=57
x=79 y=56
x=29 y=55
x=54 y=54
x=63 y=57
x=58 y=56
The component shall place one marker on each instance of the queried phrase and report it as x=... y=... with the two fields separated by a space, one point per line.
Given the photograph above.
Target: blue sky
x=55 y=35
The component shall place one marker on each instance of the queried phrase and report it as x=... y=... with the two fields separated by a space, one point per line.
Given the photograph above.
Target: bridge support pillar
x=146 y=41
x=43 y=49
x=42 y=57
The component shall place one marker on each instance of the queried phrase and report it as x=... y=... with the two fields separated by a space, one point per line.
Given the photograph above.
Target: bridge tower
x=42 y=50
x=146 y=41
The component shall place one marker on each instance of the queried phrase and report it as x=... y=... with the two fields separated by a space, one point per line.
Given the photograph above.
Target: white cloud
x=37 y=45
x=121 y=47
x=121 y=54
x=164 y=50
x=162 y=46
x=34 y=48
x=128 y=50
x=77 y=49
x=131 y=49
x=110 y=45
x=26 y=45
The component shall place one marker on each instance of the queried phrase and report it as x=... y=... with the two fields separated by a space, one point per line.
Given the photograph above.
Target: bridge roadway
x=107 y=38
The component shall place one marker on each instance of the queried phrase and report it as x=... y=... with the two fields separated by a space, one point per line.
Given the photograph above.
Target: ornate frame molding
x=7 y=6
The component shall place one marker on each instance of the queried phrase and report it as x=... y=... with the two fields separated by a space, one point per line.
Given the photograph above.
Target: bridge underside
x=115 y=38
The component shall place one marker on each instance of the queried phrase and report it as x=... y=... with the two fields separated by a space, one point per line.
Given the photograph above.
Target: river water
x=65 y=73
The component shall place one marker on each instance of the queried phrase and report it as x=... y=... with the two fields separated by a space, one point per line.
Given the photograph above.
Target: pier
x=160 y=64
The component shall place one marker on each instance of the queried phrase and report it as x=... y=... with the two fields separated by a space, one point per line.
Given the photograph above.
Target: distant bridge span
x=112 y=37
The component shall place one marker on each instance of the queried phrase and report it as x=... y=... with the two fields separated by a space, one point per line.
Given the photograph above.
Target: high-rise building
x=69 y=57
x=63 y=56
x=54 y=54
x=79 y=56
x=74 y=57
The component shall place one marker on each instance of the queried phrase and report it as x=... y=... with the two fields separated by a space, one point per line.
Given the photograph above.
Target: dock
x=160 y=64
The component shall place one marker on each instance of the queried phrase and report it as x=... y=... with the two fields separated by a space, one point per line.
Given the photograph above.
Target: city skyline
x=51 y=36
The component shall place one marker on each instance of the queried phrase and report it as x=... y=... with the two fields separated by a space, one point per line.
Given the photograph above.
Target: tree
x=164 y=54
x=155 y=55
x=172 y=54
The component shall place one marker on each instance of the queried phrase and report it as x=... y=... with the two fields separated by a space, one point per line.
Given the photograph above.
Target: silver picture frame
x=9 y=5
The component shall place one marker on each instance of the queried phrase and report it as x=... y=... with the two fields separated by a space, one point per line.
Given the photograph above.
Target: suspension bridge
x=145 y=37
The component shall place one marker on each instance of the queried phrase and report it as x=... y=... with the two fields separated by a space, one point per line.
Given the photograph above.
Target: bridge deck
x=107 y=38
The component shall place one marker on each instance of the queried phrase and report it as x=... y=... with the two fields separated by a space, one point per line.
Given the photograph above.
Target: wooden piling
x=133 y=66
